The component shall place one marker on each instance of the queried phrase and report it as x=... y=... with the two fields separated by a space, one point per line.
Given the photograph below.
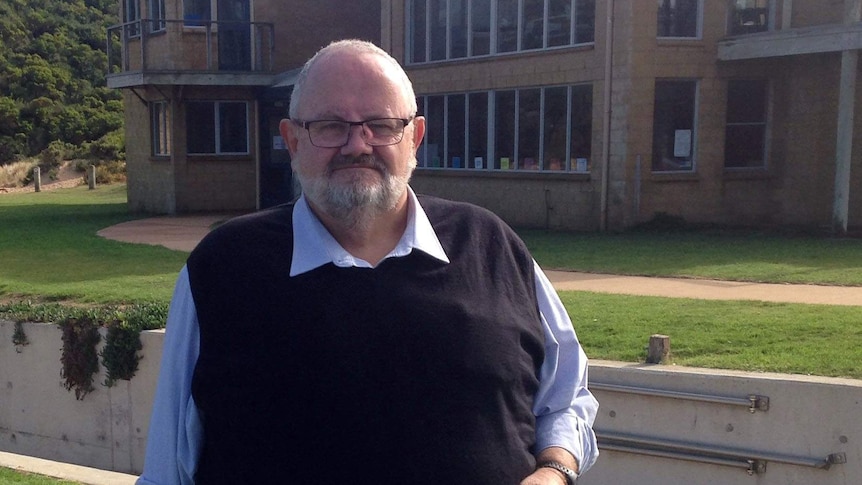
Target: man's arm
x=548 y=476
x=564 y=407
x=175 y=433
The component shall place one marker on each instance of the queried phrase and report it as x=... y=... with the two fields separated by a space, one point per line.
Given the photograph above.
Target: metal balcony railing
x=190 y=46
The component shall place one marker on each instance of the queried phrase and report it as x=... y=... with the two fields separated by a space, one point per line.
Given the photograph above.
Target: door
x=234 y=35
x=276 y=177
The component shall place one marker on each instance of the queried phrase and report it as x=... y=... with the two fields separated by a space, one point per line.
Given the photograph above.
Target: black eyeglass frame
x=351 y=124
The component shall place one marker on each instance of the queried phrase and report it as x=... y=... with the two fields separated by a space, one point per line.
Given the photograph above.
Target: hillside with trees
x=52 y=79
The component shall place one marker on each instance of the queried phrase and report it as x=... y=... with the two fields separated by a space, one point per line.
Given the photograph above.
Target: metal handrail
x=141 y=30
x=753 y=402
x=751 y=460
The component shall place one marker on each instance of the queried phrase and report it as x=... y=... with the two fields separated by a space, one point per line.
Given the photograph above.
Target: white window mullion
x=567 y=163
x=516 y=163
x=217 y=113
x=542 y=128
x=491 y=128
x=492 y=49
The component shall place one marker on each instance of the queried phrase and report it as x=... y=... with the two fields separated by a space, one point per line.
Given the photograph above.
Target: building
x=205 y=83
x=566 y=114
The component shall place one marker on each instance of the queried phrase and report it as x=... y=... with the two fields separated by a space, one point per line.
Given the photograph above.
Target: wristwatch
x=571 y=476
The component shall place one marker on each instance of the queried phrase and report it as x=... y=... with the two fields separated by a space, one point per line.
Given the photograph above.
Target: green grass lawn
x=723 y=255
x=9 y=477
x=49 y=250
x=744 y=335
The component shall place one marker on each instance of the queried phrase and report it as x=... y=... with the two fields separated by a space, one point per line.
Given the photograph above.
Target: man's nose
x=356 y=141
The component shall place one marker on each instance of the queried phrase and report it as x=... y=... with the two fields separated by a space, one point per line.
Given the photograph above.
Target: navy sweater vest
x=413 y=372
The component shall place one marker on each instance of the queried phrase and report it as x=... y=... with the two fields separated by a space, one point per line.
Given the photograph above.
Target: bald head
x=343 y=51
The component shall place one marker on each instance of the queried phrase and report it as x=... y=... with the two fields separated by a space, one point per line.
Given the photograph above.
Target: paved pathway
x=183 y=233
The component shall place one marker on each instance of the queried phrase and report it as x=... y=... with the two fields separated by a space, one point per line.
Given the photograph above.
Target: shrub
x=111 y=146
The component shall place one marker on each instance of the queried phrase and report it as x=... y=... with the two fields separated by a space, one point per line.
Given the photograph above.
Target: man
x=365 y=334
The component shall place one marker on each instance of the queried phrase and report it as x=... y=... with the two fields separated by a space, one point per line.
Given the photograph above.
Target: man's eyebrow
x=332 y=116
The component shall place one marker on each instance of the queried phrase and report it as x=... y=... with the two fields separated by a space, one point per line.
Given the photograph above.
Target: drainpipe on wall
x=606 y=130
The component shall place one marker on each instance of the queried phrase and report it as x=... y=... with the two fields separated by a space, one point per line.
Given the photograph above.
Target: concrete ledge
x=807 y=417
x=64 y=471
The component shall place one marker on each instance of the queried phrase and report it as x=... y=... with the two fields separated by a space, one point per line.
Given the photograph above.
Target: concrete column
x=844 y=144
x=91 y=176
x=37 y=179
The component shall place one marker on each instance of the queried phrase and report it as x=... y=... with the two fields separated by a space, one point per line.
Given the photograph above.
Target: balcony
x=190 y=52
x=749 y=21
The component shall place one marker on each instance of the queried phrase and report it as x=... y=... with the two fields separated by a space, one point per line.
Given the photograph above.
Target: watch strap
x=571 y=475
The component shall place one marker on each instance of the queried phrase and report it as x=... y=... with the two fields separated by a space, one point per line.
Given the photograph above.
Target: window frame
x=132 y=18
x=157 y=15
x=420 y=11
x=698 y=27
x=510 y=118
x=765 y=124
x=692 y=141
x=735 y=11
x=217 y=127
x=205 y=17
x=160 y=129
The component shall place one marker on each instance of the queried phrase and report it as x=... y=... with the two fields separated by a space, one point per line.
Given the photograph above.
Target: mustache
x=364 y=160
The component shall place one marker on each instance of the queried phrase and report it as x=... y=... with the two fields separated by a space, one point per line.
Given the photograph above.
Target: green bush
x=111 y=146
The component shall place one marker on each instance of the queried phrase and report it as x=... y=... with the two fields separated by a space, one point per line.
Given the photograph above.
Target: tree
x=52 y=74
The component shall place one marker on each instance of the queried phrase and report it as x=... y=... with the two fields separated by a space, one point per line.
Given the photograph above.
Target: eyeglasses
x=336 y=133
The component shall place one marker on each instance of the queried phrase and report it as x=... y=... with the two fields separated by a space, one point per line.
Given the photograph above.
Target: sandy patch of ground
x=67 y=177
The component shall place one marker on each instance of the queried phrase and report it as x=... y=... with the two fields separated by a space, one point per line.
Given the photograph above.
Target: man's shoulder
x=463 y=220
x=436 y=207
x=270 y=224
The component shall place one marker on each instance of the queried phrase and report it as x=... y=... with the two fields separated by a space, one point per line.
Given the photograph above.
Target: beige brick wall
x=795 y=189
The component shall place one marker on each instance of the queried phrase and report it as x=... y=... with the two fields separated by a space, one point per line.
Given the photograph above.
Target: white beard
x=356 y=203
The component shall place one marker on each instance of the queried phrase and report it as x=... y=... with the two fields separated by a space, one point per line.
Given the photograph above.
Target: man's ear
x=288 y=129
x=418 y=132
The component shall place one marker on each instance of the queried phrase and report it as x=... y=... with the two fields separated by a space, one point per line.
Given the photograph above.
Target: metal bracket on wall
x=753 y=402
x=144 y=101
x=753 y=462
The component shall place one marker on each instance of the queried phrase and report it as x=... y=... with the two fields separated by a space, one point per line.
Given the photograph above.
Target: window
x=673 y=126
x=440 y=30
x=418 y=30
x=477 y=137
x=160 y=127
x=745 y=133
x=678 y=18
x=157 y=15
x=456 y=112
x=132 y=18
x=196 y=13
x=217 y=127
x=530 y=129
x=748 y=16
x=480 y=27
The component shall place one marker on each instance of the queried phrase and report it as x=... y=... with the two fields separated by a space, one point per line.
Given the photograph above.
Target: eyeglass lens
x=336 y=133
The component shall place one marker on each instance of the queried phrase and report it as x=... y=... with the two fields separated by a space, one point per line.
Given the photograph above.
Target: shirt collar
x=314 y=246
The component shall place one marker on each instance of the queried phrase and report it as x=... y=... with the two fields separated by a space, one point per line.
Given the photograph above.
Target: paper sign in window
x=682 y=143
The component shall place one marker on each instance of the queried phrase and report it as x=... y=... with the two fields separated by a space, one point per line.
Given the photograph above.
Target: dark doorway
x=276 y=178
x=234 y=35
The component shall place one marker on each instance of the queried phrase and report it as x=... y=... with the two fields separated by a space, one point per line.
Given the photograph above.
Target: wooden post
x=91 y=176
x=37 y=179
x=659 y=349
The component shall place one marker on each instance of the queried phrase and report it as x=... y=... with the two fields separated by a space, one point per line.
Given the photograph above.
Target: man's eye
x=331 y=126
x=381 y=126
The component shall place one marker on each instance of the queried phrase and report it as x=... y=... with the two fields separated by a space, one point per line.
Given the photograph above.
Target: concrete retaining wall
x=807 y=419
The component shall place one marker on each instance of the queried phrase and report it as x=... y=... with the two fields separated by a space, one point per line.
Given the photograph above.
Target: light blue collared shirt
x=564 y=408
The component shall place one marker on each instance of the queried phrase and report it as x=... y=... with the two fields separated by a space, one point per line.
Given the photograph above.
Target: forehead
x=347 y=85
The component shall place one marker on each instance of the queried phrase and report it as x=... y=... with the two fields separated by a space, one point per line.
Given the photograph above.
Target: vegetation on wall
x=52 y=78
x=80 y=355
